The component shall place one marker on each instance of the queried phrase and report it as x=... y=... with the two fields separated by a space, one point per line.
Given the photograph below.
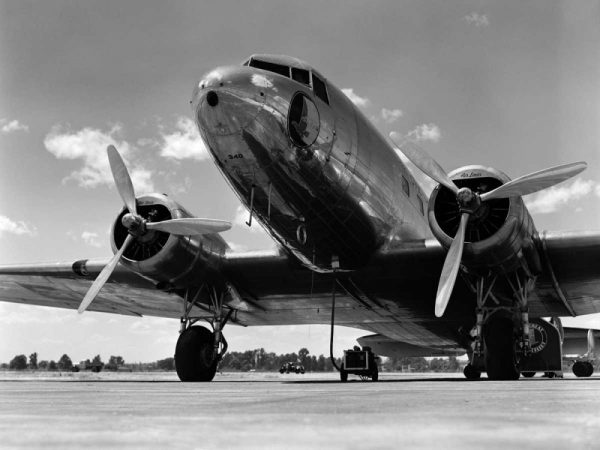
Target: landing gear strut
x=198 y=351
x=498 y=341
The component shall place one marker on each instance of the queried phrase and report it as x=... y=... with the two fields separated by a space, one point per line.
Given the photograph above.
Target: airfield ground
x=154 y=410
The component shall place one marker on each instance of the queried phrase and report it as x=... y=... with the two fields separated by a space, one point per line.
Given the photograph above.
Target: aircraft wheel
x=528 y=374
x=375 y=375
x=194 y=355
x=583 y=369
x=500 y=354
x=343 y=375
x=471 y=373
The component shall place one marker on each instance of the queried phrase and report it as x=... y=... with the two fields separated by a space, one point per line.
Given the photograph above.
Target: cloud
x=391 y=115
x=426 y=132
x=147 y=142
x=152 y=326
x=356 y=99
x=184 y=143
x=11 y=314
x=241 y=217
x=19 y=228
x=549 y=200
x=476 y=19
x=237 y=247
x=10 y=126
x=91 y=239
x=89 y=145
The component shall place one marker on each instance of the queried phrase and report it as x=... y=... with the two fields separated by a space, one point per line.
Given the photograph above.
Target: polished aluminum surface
x=341 y=195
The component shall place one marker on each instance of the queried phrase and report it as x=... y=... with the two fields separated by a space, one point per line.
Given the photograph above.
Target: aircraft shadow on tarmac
x=434 y=380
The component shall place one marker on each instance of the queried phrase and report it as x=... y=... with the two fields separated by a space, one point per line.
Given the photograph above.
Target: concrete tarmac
x=297 y=411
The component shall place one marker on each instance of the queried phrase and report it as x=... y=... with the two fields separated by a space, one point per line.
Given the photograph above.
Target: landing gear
x=551 y=375
x=500 y=352
x=502 y=331
x=528 y=374
x=583 y=369
x=198 y=351
x=471 y=373
x=194 y=355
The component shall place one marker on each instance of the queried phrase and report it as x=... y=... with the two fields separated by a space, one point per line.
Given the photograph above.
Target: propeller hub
x=134 y=223
x=468 y=201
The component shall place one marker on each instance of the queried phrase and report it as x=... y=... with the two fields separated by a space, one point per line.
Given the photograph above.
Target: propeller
x=470 y=201
x=138 y=226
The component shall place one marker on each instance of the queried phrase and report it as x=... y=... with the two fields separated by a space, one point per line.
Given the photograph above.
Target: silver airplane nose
x=228 y=101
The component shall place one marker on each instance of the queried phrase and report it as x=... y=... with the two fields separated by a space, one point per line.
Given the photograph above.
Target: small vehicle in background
x=86 y=365
x=360 y=362
x=290 y=367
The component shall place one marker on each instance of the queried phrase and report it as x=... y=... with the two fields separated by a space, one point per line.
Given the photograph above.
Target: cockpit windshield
x=300 y=75
x=271 y=67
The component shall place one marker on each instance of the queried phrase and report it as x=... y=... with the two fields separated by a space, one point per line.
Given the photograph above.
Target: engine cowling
x=170 y=261
x=499 y=235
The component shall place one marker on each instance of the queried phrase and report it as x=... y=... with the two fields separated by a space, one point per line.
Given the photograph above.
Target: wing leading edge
x=392 y=296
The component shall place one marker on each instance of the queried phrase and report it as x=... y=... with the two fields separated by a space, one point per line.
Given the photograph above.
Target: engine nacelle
x=499 y=235
x=168 y=260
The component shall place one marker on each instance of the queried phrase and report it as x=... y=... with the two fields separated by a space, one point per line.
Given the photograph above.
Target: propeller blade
x=104 y=275
x=423 y=161
x=450 y=269
x=528 y=184
x=190 y=226
x=122 y=178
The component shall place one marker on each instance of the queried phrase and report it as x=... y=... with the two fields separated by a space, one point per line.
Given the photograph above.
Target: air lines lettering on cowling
x=470 y=174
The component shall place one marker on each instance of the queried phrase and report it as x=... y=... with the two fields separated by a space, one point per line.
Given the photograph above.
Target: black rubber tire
x=343 y=375
x=583 y=369
x=578 y=369
x=471 y=373
x=194 y=359
x=528 y=374
x=375 y=375
x=500 y=349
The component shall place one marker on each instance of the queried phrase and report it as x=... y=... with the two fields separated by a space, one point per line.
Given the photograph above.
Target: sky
x=512 y=85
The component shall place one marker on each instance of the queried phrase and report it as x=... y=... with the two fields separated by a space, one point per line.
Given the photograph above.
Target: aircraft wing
x=63 y=285
x=393 y=295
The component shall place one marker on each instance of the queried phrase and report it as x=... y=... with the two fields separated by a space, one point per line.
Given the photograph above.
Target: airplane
x=359 y=242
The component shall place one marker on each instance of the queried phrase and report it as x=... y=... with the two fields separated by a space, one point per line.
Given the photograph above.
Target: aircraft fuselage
x=311 y=167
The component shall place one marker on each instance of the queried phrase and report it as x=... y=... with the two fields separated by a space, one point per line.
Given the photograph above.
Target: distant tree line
x=263 y=361
x=420 y=364
x=20 y=362
x=258 y=360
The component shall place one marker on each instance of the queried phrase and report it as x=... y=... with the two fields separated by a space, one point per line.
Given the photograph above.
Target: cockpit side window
x=320 y=88
x=271 y=67
x=301 y=76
